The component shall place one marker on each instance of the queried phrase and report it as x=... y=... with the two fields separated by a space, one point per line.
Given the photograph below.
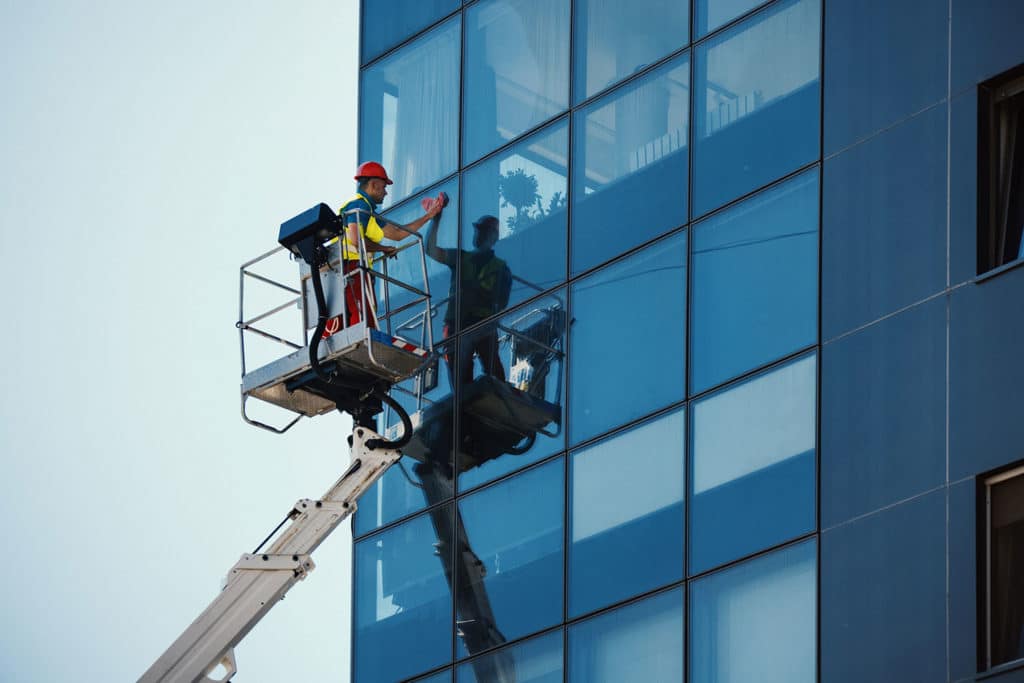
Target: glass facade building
x=732 y=425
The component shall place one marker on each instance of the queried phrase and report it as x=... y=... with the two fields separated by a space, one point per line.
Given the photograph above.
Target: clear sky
x=148 y=149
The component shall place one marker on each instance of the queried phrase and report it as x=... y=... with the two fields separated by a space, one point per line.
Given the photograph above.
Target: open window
x=1002 y=571
x=1000 y=170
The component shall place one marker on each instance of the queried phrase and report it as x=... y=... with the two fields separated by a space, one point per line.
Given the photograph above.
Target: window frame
x=995 y=97
x=987 y=483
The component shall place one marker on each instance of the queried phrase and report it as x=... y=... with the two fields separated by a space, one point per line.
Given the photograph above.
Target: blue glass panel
x=407 y=267
x=607 y=39
x=752 y=484
x=510 y=402
x=386 y=24
x=623 y=513
x=509 y=575
x=755 y=282
x=884 y=60
x=757 y=102
x=517 y=70
x=630 y=165
x=424 y=474
x=639 y=642
x=710 y=14
x=402 y=601
x=883 y=594
x=525 y=188
x=409 y=111
x=757 y=621
x=534 y=661
x=628 y=339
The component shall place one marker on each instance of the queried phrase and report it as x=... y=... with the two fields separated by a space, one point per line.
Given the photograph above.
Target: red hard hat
x=371 y=169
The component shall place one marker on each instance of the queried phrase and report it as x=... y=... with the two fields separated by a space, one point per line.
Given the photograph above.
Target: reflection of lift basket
x=360 y=359
x=496 y=419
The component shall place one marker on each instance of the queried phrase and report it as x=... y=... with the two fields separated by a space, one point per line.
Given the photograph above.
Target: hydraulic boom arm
x=259 y=580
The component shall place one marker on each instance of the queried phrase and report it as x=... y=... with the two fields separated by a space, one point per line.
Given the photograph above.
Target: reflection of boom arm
x=259 y=580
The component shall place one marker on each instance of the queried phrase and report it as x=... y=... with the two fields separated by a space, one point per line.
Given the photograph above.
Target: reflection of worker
x=485 y=283
x=360 y=220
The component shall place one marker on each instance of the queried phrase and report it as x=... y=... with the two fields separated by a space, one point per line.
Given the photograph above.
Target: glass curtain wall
x=615 y=448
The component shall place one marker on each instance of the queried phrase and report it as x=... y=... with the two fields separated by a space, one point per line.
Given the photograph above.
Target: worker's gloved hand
x=432 y=206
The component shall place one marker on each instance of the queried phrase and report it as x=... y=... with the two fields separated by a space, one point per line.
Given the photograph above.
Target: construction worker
x=361 y=221
x=486 y=283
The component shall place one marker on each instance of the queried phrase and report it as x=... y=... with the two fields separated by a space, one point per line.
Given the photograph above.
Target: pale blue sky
x=149 y=148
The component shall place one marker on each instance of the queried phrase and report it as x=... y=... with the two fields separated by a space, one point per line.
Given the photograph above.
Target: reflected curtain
x=426 y=121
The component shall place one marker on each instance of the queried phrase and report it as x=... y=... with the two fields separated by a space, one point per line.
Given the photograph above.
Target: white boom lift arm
x=259 y=580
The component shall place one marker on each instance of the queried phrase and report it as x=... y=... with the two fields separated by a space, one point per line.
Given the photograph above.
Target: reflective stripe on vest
x=373 y=231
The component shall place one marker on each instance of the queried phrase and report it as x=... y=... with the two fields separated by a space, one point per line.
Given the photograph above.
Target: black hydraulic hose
x=406 y=425
x=321 y=320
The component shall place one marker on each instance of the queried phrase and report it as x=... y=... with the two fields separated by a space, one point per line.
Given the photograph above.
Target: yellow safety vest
x=372 y=231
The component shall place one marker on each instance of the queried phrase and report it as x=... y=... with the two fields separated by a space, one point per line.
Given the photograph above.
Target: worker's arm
x=439 y=254
x=398 y=231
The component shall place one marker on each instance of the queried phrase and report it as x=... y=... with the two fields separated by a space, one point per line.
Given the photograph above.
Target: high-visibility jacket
x=368 y=226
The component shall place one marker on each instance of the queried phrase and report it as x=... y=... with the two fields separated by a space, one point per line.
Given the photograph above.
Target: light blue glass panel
x=514 y=530
x=608 y=43
x=424 y=474
x=639 y=642
x=752 y=483
x=756 y=107
x=407 y=267
x=386 y=24
x=517 y=70
x=628 y=339
x=710 y=14
x=511 y=373
x=525 y=188
x=620 y=514
x=538 y=660
x=409 y=111
x=756 y=621
x=755 y=282
x=402 y=601
x=630 y=165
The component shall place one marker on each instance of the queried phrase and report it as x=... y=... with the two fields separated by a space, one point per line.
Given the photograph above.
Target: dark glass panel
x=884 y=60
x=510 y=402
x=386 y=24
x=884 y=592
x=517 y=70
x=402 y=601
x=639 y=642
x=409 y=111
x=883 y=413
x=630 y=165
x=756 y=621
x=608 y=44
x=753 y=452
x=626 y=521
x=538 y=660
x=525 y=188
x=628 y=339
x=509 y=572
x=757 y=102
x=755 y=282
